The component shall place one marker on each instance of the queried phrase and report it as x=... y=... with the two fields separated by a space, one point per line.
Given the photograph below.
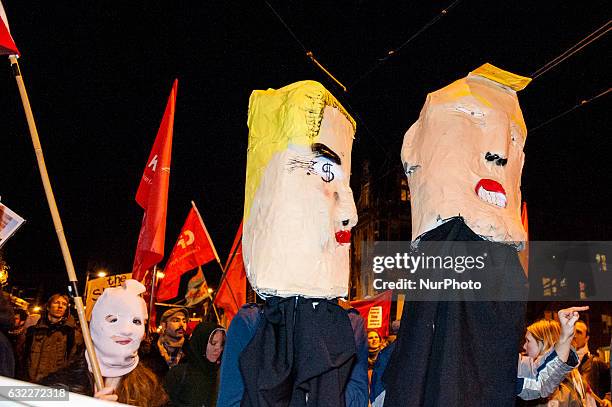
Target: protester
x=375 y=345
x=393 y=331
x=52 y=341
x=166 y=349
x=535 y=378
x=595 y=371
x=242 y=330
x=543 y=339
x=194 y=383
x=17 y=336
x=7 y=358
x=377 y=386
x=117 y=328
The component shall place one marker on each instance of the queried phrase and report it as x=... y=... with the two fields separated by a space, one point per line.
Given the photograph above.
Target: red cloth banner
x=192 y=249
x=376 y=311
x=152 y=195
x=232 y=291
x=7 y=45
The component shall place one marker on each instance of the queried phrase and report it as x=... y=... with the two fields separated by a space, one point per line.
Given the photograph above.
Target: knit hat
x=170 y=313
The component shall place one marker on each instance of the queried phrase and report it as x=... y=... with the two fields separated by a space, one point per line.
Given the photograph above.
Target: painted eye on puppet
x=410 y=169
x=111 y=319
x=327 y=169
x=137 y=321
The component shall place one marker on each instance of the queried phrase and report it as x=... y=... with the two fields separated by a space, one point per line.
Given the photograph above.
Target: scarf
x=165 y=342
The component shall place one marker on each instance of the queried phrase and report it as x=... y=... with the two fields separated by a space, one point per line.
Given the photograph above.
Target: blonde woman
x=546 y=340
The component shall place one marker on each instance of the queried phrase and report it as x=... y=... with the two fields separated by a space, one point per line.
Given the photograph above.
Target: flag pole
x=231 y=259
x=212 y=245
x=152 y=299
x=57 y=222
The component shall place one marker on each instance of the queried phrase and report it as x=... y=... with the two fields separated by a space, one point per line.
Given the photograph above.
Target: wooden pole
x=152 y=299
x=214 y=251
x=57 y=222
x=229 y=263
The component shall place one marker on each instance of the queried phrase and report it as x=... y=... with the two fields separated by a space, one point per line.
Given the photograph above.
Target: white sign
x=9 y=223
x=96 y=287
x=375 y=317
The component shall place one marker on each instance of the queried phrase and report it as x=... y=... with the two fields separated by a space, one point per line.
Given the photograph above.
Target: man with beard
x=167 y=347
x=592 y=368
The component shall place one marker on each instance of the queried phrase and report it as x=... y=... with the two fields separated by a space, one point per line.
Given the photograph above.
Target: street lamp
x=100 y=273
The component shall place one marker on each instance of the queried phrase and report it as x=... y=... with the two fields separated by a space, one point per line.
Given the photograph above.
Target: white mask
x=117 y=327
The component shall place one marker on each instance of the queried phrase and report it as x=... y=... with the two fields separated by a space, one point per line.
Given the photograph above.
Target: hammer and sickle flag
x=193 y=248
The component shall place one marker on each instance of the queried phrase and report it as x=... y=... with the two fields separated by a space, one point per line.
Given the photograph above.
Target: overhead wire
x=311 y=57
x=595 y=35
x=580 y=104
x=309 y=54
x=395 y=51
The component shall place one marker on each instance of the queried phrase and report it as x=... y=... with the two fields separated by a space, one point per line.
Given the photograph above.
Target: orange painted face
x=464 y=156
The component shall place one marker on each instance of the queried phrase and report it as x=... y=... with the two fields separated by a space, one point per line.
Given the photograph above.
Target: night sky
x=99 y=74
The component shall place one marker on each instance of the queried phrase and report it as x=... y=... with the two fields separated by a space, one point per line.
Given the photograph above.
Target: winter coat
x=242 y=330
x=194 y=383
x=77 y=378
x=7 y=358
x=49 y=346
x=597 y=374
x=152 y=359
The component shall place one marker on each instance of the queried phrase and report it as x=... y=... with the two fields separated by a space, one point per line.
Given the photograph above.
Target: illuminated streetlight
x=101 y=274
x=36 y=308
x=210 y=291
x=160 y=274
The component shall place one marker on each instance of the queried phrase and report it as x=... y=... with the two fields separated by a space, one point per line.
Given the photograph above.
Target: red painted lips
x=491 y=192
x=343 y=236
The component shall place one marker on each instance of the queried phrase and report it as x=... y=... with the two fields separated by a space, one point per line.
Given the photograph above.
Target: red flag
x=7 y=45
x=524 y=254
x=232 y=291
x=192 y=249
x=524 y=219
x=152 y=195
x=376 y=312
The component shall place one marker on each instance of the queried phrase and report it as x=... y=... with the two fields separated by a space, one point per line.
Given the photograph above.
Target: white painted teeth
x=495 y=198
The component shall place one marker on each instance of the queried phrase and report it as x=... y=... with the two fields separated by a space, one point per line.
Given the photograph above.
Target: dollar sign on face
x=329 y=175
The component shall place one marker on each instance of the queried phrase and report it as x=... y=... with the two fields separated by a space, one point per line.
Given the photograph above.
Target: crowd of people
x=172 y=368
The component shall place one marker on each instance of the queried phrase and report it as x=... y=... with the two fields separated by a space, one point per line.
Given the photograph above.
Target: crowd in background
x=174 y=368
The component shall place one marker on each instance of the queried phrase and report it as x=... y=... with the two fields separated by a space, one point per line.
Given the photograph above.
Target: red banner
x=376 y=311
x=232 y=291
x=192 y=249
x=152 y=195
x=7 y=45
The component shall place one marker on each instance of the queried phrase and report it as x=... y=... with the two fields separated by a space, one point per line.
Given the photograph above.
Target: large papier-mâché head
x=464 y=156
x=299 y=207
